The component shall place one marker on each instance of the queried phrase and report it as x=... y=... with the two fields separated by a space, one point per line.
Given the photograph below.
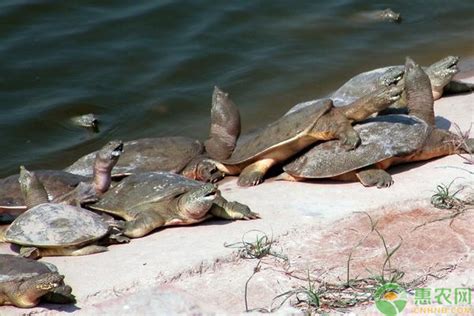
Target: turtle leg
x=441 y=143
x=287 y=177
x=335 y=124
x=231 y=210
x=87 y=250
x=455 y=87
x=35 y=253
x=30 y=252
x=372 y=177
x=83 y=193
x=348 y=137
x=372 y=103
x=3 y=229
x=254 y=173
x=144 y=223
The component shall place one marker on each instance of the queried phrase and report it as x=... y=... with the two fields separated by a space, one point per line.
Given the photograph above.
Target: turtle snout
x=455 y=60
x=453 y=66
x=211 y=191
x=49 y=281
x=395 y=93
x=117 y=151
x=409 y=63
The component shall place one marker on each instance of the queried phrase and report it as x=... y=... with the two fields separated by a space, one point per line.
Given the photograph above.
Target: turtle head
x=413 y=72
x=225 y=126
x=204 y=170
x=105 y=159
x=419 y=93
x=91 y=120
x=410 y=65
x=108 y=155
x=196 y=203
x=219 y=96
x=390 y=15
x=32 y=189
x=49 y=281
x=31 y=290
x=441 y=73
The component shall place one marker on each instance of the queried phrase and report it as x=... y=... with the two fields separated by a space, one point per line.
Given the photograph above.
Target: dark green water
x=147 y=68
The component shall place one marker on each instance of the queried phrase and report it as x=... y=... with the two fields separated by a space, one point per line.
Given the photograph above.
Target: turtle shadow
x=392 y=171
x=442 y=123
x=408 y=166
x=208 y=222
x=65 y=308
x=217 y=221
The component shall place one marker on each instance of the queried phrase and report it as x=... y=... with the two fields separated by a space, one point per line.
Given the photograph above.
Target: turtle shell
x=56 y=183
x=286 y=130
x=382 y=137
x=19 y=268
x=147 y=154
x=142 y=189
x=51 y=225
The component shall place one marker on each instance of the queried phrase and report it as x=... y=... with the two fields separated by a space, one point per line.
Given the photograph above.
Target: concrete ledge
x=130 y=277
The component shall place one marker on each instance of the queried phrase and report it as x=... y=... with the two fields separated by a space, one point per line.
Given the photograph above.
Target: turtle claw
x=117 y=224
x=395 y=98
x=384 y=183
x=241 y=211
x=375 y=177
x=118 y=239
x=216 y=176
x=30 y=252
x=350 y=141
x=251 y=216
x=250 y=179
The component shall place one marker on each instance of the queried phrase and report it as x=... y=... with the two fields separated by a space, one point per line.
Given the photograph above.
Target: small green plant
x=373 y=225
x=257 y=249
x=394 y=274
x=256 y=269
x=461 y=141
x=260 y=247
x=444 y=198
x=311 y=295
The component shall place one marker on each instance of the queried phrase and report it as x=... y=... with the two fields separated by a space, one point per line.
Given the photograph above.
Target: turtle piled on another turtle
x=51 y=229
x=63 y=186
x=179 y=154
x=382 y=137
x=150 y=200
x=440 y=73
x=256 y=153
x=386 y=140
x=24 y=282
